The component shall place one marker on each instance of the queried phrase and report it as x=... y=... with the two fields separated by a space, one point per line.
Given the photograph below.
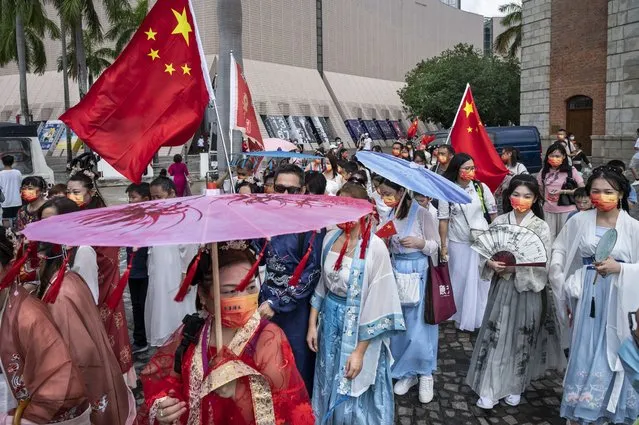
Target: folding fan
x=513 y=245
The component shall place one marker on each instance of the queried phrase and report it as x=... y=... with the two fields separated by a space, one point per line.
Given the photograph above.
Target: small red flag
x=242 y=114
x=153 y=95
x=468 y=135
x=426 y=139
x=387 y=230
x=412 y=130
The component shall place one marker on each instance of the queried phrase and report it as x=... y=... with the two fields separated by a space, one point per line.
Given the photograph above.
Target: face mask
x=629 y=355
x=390 y=201
x=521 y=204
x=346 y=227
x=604 y=202
x=443 y=159
x=554 y=161
x=236 y=311
x=78 y=199
x=29 y=195
x=467 y=175
x=572 y=138
x=504 y=159
x=396 y=152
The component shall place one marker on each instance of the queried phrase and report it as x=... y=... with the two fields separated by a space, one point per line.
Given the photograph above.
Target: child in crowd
x=582 y=201
x=57 y=191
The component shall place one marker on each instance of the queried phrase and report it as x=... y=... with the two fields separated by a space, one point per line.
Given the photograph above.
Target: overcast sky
x=483 y=7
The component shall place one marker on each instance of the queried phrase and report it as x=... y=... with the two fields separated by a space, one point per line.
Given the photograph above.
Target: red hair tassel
x=249 y=276
x=116 y=295
x=366 y=225
x=15 y=268
x=297 y=274
x=347 y=231
x=54 y=289
x=188 y=279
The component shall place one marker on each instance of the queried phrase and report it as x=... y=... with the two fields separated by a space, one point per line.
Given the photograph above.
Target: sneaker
x=426 y=389
x=137 y=349
x=513 y=400
x=403 y=385
x=486 y=403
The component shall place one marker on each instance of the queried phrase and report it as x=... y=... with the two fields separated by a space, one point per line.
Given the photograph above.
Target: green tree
x=435 y=87
x=509 y=42
x=98 y=58
x=23 y=25
x=127 y=23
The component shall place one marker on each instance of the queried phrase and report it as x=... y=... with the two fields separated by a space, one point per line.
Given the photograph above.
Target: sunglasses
x=280 y=188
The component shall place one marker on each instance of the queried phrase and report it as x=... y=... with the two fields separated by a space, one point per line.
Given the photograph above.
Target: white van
x=22 y=143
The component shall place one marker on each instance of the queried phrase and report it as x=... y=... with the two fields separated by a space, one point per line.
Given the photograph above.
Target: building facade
x=580 y=71
x=313 y=66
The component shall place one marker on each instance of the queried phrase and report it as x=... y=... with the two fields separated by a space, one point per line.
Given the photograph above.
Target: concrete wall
x=535 y=65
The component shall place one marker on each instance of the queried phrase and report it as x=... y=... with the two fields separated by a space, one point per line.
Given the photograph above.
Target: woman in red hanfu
x=254 y=380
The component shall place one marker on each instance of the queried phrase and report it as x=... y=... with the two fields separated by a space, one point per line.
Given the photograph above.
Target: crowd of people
x=326 y=326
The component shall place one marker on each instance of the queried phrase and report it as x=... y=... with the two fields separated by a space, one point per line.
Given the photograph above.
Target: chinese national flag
x=242 y=114
x=387 y=230
x=412 y=130
x=153 y=95
x=468 y=135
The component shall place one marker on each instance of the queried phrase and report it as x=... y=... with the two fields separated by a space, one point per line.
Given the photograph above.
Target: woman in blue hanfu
x=596 y=390
x=359 y=307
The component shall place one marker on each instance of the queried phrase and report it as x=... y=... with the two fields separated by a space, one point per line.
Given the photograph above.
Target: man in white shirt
x=200 y=144
x=368 y=142
x=10 y=183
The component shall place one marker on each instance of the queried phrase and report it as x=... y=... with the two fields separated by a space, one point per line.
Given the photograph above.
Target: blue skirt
x=414 y=351
x=589 y=379
x=375 y=406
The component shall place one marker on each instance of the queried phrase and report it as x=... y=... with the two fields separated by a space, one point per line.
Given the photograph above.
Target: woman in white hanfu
x=595 y=387
x=457 y=225
x=519 y=339
x=359 y=306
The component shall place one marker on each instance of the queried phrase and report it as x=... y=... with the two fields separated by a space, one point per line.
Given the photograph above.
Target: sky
x=483 y=7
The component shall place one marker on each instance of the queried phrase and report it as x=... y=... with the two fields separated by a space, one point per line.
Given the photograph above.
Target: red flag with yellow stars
x=387 y=230
x=412 y=130
x=468 y=135
x=154 y=94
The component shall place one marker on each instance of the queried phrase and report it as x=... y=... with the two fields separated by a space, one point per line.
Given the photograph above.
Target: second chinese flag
x=153 y=95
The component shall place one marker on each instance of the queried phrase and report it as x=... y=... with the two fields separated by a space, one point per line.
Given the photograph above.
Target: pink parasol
x=279 y=144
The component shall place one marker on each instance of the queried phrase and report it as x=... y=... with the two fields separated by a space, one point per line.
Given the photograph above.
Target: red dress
x=257 y=375
x=179 y=171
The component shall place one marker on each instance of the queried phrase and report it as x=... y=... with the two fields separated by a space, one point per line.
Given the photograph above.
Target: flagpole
x=461 y=103
x=232 y=100
x=221 y=133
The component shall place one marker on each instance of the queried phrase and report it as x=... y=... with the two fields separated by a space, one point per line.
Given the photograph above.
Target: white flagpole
x=461 y=103
x=232 y=100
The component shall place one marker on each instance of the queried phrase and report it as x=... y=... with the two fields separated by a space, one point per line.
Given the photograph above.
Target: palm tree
x=23 y=25
x=65 y=82
x=97 y=59
x=509 y=42
x=127 y=23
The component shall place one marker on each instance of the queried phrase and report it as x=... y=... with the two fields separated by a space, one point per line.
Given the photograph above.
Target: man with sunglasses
x=284 y=302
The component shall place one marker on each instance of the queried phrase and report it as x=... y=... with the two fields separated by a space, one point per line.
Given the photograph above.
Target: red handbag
x=440 y=302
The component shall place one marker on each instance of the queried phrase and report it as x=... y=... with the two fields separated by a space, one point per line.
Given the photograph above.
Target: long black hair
x=332 y=159
x=617 y=180
x=452 y=172
x=531 y=183
x=404 y=207
x=514 y=154
x=564 y=167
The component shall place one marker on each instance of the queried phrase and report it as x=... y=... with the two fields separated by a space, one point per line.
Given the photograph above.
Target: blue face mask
x=629 y=355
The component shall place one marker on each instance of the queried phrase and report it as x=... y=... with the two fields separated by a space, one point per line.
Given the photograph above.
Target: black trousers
x=138 y=288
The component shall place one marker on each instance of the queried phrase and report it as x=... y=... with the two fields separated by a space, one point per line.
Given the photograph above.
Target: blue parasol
x=413 y=177
x=281 y=154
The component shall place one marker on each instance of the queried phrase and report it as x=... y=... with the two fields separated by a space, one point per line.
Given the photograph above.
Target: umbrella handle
x=216 y=298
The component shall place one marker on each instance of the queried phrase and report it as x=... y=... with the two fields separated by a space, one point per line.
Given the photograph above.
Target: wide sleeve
x=274 y=360
x=86 y=265
x=578 y=178
x=443 y=210
x=381 y=310
x=187 y=253
x=429 y=227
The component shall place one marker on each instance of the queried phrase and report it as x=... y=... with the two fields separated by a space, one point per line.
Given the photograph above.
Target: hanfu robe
x=268 y=389
x=595 y=386
x=359 y=302
x=78 y=319
x=37 y=365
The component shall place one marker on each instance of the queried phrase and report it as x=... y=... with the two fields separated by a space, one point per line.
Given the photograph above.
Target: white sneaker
x=486 y=403
x=513 y=400
x=426 y=389
x=403 y=385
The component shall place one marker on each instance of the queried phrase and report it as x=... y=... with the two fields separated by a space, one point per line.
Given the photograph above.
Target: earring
x=619 y=204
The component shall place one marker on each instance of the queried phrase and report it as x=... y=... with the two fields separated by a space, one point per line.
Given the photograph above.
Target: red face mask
x=604 y=202
x=236 y=311
x=467 y=175
x=521 y=204
x=554 y=161
x=29 y=195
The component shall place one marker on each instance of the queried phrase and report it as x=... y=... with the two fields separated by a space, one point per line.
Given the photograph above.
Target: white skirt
x=470 y=292
x=556 y=222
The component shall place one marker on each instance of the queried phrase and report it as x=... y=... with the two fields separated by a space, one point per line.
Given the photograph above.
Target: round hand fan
x=605 y=245
x=513 y=245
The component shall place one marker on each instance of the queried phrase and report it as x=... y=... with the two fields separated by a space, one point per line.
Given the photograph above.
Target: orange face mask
x=78 y=199
x=236 y=311
x=521 y=204
x=390 y=201
x=604 y=202
x=554 y=161
x=467 y=175
x=29 y=195
x=443 y=159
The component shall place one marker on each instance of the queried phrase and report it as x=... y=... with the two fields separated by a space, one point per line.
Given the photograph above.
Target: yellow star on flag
x=183 y=27
x=468 y=109
x=185 y=69
x=470 y=129
x=154 y=54
x=169 y=68
x=150 y=34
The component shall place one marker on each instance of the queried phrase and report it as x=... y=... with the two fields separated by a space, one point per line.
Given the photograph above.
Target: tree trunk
x=229 y=21
x=65 y=80
x=81 y=58
x=22 y=67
